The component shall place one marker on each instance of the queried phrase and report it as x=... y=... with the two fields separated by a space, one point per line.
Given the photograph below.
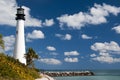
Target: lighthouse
x=19 y=49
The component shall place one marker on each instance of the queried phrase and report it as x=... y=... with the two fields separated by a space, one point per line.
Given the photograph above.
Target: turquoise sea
x=99 y=75
x=89 y=78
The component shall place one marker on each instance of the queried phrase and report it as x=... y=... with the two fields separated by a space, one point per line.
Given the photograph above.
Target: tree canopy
x=30 y=57
x=1 y=42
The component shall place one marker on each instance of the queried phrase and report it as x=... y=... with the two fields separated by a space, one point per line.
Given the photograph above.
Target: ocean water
x=99 y=75
x=89 y=78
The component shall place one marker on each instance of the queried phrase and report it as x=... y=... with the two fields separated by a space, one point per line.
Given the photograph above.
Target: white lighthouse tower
x=19 y=49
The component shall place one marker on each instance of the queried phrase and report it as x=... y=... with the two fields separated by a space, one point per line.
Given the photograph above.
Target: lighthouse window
x=20 y=12
x=16 y=32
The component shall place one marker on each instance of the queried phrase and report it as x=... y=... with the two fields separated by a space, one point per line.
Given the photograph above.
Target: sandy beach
x=45 y=77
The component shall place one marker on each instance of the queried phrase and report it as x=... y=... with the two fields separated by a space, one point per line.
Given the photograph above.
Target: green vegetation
x=11 y=69
x=30 y=57
x=1 y=41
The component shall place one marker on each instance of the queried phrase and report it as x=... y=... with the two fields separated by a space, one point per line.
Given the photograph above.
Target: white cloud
x=51 y=48
x=98 y=10
x=51 y=61
x=71 y=53
x=9 y=42
x=104 y=54
x=67 y=37
x=30 y=21
x=106 y=59
x=75 y=21
x=93 y=55
x=96 y=15
x=112 y=9
x=49 y=22
x=71 y=59
x=117 y=29
x=105 y=47
x=84 y=36
x=106 y=51
x=8 y=11
x=36 y=34
x=64 y=37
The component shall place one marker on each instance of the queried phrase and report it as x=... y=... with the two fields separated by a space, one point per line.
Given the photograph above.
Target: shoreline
x=45 y=77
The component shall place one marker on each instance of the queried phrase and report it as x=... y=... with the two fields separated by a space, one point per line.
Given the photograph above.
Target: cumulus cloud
x=93 y=55
x=71 y=59
x=117 y=29
x=106 y=47
x=36 y=34
x=49 y=22
x=51 y=48
x=9 y=42
x=84 y=36
x=50 y=61
x=71 y=53
x=75 y=21
x=8 y=11
x=106 y=51
x=31 y=21
x=64 y=37
x=96 y=15
x=106 y=59
x=112 y=9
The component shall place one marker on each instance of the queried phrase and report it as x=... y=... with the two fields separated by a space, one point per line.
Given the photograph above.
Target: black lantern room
x=20 y=14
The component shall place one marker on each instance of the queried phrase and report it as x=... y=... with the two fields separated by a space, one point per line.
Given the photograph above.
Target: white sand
x=45 y=77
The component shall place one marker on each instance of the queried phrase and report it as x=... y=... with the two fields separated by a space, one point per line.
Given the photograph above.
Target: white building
x=19 y=49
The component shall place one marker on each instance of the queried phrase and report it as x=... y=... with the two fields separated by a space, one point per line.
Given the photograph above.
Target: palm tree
x=30 y=57
x=1 y=41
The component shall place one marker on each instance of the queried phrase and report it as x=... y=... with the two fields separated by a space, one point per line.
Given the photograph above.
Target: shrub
x=12 y=69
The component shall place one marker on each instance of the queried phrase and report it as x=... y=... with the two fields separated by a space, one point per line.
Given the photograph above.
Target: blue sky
x=67 y=34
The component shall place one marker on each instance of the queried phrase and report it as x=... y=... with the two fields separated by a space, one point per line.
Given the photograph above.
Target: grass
x=11 y=69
